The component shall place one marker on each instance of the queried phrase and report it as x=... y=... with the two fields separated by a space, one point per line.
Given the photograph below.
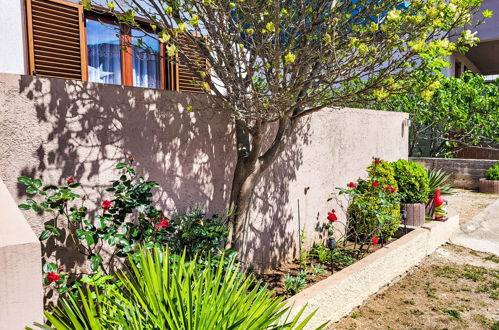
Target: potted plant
x=414 y=188
x=439 y=180
x=490 y=184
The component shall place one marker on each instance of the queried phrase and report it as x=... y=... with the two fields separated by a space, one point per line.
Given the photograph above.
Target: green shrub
x=493 y=173
x=173 y=293
x=439 y=179
x=196 y=234
x=412 y=180
x=127 y=219
x=374 y=209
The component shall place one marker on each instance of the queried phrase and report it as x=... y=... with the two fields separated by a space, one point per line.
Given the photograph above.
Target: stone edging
x=340 y=293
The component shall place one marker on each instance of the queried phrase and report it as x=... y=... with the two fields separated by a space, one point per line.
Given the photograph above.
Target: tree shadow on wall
x=271 y=236
x=88 y=128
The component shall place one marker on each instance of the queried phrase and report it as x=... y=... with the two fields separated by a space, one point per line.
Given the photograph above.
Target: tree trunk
x=250 y=166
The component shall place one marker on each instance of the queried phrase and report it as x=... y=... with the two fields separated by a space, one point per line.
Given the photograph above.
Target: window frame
x=126 y=43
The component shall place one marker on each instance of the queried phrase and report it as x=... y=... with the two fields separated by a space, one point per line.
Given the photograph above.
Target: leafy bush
x=439 y=179
x=118 y=224
x=196 y=234
x=374 y=208
x=412 y=180
x=173 y=293
x=493 y=173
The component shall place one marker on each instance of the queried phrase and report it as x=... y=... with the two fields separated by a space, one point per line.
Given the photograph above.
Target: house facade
x=59 y=39
x=484 y=57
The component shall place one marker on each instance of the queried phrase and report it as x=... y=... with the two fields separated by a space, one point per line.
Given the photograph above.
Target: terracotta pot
x=489 y=186
x=415 y=213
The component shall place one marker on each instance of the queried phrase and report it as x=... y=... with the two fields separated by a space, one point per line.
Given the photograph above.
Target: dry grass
x=455 y=288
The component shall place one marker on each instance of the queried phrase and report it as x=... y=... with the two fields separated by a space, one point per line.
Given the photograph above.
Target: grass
x=492 y=258
x=453 y=314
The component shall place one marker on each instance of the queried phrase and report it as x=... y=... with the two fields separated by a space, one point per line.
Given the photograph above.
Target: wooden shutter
x=186 y=80
x=56 y=39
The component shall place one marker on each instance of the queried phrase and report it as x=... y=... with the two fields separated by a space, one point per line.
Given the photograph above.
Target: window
x=146 y=61
x=65 y=41
x=104 y=53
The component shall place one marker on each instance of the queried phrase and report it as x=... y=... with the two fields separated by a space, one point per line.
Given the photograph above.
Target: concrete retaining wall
x=21 y=292
x=466 y=173
x=336 y=296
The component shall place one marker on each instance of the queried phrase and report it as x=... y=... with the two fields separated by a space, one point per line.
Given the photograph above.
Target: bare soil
x=274 y=278
x=468 y=203
x=454 y=288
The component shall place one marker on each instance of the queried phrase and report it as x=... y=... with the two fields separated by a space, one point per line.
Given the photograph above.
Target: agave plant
x=164 y=292
x=439 y=179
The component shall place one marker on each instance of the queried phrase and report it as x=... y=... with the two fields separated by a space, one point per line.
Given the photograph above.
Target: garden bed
x=343 y=257
x=340 y=293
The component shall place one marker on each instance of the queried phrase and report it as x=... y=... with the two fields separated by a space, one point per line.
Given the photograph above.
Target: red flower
x=377 y=161
x=131 y=158
x=375 y=240
x=375 y=184
x=351 y=185
x=162 y=224
x=391 y=189
x=331 y=216
x=106 y=205
x=53 y=277
x=70 y=180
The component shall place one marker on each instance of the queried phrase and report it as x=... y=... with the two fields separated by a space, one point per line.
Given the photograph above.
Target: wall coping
x=15 y=228
x=492 y=161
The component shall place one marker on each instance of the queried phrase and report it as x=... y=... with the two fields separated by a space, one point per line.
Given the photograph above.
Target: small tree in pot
x=414 y=187
x=490 y=184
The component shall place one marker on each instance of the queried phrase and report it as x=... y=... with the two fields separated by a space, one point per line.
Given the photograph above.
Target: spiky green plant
x=439 y=179
x=162 y=292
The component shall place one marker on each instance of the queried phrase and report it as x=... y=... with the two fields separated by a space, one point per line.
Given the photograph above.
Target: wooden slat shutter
x=56 y=39
x=185 y=79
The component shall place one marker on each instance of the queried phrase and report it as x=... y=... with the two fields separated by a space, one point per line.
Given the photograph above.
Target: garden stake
x=331 y=244
x=299 y=228
x=404 y=218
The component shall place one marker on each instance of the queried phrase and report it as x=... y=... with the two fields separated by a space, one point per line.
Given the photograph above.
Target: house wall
x=13 y=57
x=52 y=129
x=489 y=30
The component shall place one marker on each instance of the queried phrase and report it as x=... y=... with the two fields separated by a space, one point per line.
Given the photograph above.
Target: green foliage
x=317 y=270
x=322 y=253
x=122 y=223
x=173 y=293
x=294 y=284
x=374 y=209
x=438 y=179
x=382 y=172
x=461 y=111
x=412 y=180
x=493 y=173
x=196 y=234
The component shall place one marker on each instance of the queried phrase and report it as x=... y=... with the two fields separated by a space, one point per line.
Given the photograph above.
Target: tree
x=462 y=112
x=278 y=61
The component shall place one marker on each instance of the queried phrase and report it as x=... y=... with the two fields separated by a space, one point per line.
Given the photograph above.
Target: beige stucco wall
x=20 y=264
x=53 y=128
